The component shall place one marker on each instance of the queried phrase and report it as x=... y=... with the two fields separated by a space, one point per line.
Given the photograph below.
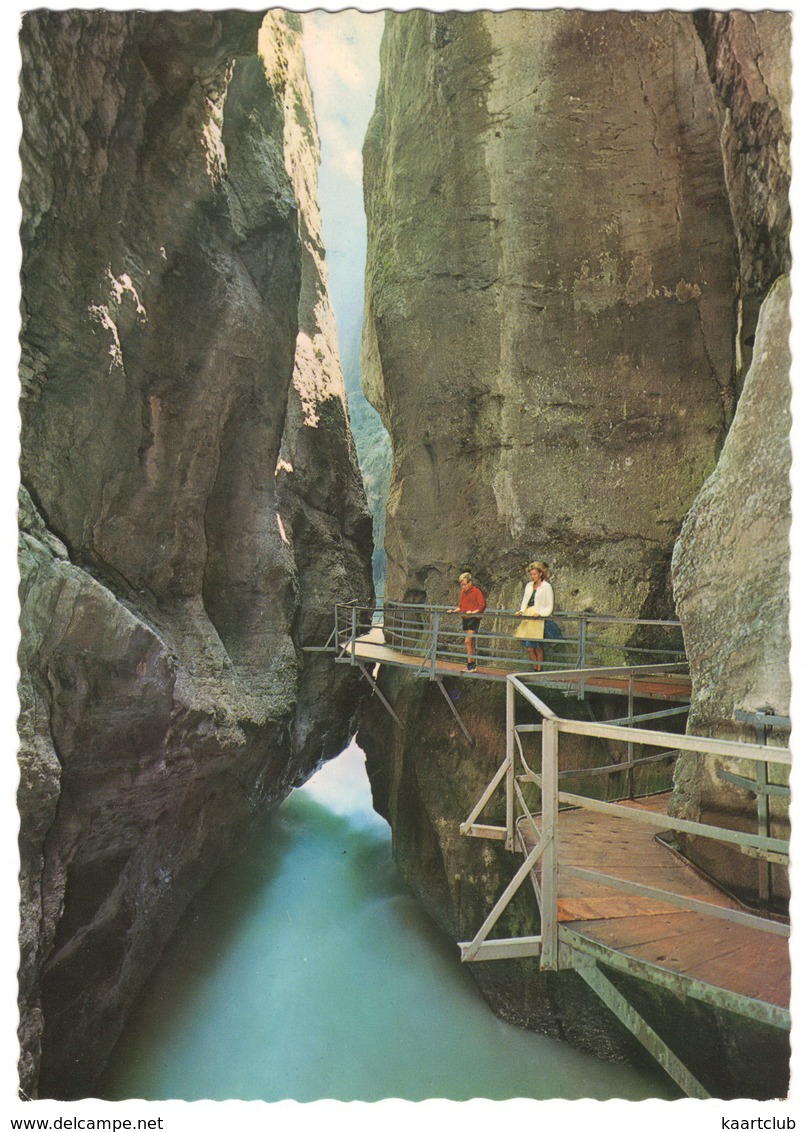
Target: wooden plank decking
x=372 y=648
x=719 y=953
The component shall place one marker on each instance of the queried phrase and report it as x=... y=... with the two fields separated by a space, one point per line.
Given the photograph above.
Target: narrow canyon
x=576 y=335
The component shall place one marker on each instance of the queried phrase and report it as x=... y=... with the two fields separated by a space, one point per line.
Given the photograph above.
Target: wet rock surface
x=173 y=293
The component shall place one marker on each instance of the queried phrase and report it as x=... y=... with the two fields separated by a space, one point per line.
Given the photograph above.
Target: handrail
x=729 y=748
x=434 y=634
x=544 y=854
x=549 y=767
x=495 y=611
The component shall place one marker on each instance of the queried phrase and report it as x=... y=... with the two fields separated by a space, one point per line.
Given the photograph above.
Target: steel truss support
x=469 y=951
x=682 y=986
x=454 y=712
x=641 y=1030
x=380 y=694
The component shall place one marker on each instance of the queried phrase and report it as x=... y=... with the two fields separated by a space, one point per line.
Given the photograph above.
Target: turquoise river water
x=306 y=971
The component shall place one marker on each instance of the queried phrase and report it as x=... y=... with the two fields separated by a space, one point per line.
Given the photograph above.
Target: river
x=306 y=971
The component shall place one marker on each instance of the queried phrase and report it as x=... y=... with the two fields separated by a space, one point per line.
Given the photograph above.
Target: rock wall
x=551 y=296
x=730 y=572
x=730 y=566
x=748 y=55
x=562 y=272
x=191 y=505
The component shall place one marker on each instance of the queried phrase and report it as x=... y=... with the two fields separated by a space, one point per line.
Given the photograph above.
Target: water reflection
x=305 y=971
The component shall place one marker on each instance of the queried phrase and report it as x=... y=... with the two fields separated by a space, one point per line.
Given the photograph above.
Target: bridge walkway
x=372 y=648
x=612 y=896
x=714 y=952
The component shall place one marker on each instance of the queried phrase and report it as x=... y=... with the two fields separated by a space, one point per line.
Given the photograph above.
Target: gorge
x=575 y=333
x=187 y=467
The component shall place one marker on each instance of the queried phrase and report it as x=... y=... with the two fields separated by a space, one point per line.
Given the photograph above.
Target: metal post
x=435 y=630
x=510 y=740
x=353 y=635
x=630 y=1017
x=439 y=682
x=549 y=862
x=377 y=691
x=763 y=812
x=581 y=658
x=630 y=741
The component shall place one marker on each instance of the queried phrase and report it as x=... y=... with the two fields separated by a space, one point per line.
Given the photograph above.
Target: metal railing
x=433 y=635
x=515 y=772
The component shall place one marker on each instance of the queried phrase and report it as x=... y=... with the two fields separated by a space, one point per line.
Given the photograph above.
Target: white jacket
x=544 y=602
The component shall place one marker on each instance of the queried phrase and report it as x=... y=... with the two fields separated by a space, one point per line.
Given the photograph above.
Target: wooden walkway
x=619 y=900
x=371 y=648
x=716 y=953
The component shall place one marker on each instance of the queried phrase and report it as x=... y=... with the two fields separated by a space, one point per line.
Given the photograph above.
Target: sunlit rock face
x=176 y=336
x=730 y=567
x=730 y=571
x=320 y=491
x=557 y=257
x=551 y=289
x=552 y=279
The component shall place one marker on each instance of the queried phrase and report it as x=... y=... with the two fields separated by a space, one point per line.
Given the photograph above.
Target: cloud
x=329 y=57
x=349 y=164
x=341 y=55
x=341 y=51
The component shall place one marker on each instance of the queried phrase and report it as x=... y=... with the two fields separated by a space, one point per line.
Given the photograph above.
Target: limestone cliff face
x=552 y=279
x=730 y=571
x=184 y=444
x=730 y=566
x=565 y=249
x=748 y=54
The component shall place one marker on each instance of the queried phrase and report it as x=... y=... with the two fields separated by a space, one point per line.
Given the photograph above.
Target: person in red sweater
x=471 y=604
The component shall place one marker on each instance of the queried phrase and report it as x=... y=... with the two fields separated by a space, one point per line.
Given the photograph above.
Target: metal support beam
x=510 y=761
x=683 y=986
x=483 y=801
x=550 y=861
x=682 y=709
x=641 y=1030
x=491 y=832
x=433 y=646
x=438 y=680
x=581 y=658
x=520 y=947
x=750 y=784
x=380 y=695
x=631 y=723
x=762 y=718
x=493 y=916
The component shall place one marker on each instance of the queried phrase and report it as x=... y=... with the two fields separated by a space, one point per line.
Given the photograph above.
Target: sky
x=341 y=55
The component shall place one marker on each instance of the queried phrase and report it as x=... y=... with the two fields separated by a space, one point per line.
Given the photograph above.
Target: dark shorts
x=471 y=624
x=533 y=644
